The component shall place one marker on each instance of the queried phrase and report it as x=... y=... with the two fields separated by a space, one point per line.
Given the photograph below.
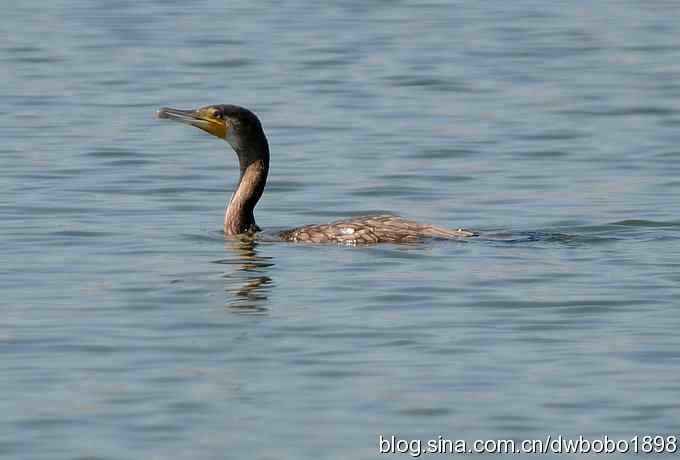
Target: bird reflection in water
x=247 y=285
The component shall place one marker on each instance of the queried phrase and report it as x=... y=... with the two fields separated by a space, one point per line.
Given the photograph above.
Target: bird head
x=237 y=125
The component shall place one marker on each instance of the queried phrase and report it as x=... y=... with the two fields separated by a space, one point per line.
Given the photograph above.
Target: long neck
x=254 y=165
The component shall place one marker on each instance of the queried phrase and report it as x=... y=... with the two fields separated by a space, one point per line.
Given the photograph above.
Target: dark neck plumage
x=254 y=165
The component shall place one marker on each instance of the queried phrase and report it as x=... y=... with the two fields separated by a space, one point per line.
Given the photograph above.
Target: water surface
x=132 y=329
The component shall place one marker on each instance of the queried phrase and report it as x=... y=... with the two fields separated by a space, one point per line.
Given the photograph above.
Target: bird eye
x=217 y=114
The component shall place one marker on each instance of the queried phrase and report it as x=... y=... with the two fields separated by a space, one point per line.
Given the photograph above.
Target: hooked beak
x=198 y=118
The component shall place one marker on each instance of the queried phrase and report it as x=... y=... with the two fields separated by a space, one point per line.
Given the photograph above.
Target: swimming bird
x=242 y=129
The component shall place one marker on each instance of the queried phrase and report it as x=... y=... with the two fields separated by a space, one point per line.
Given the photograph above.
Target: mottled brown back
x=370 y=230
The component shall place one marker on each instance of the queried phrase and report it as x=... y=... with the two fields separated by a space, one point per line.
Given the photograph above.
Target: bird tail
x=441 y=232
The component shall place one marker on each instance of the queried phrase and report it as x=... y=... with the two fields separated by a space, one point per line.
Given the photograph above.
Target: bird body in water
x=243 y=130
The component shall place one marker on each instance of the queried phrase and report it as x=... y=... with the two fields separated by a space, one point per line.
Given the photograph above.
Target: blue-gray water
x=131 y=329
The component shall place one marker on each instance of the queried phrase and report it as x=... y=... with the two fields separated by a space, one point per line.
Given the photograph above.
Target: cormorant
x=243 y=130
